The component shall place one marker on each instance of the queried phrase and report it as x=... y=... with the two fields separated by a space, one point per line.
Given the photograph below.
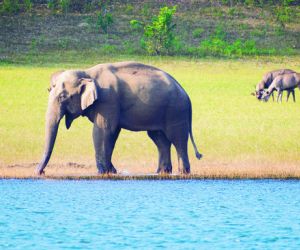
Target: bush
x=65 y=5
x=136 y=25
x=104 y=20
x=284 y=13
x=217 y=46
x=198 y=32
x=10 y=6
x=52 y=4
x=129 y=8
x=108 y=49
x=146 y=10
x=28 y=5
x=158 y=35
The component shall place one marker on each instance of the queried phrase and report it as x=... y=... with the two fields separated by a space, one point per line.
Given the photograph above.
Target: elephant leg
x=104 y=143
x=115 y=136
x=178 y=135
x=164 y=151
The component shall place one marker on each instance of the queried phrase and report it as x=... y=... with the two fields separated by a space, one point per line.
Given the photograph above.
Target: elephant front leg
x=104 y=143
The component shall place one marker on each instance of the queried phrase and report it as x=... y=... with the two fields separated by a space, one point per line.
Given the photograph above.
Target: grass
x=239 y=136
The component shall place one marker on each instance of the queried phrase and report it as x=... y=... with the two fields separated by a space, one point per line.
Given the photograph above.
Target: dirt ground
x=212 y=171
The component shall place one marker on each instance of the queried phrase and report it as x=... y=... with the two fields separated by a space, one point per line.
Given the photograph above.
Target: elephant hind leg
x=164 y=151
x=178 y=135
x=183 y=159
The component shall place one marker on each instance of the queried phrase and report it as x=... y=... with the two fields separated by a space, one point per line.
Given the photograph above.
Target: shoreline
x=73 y=171
x=151 y=178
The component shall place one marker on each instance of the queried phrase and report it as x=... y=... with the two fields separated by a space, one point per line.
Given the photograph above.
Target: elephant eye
x=62 y=97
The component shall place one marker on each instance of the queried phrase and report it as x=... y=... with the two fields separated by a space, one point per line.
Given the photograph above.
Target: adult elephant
x=125 y=95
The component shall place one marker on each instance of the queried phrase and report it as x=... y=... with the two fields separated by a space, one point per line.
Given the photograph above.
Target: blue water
x=49 y=214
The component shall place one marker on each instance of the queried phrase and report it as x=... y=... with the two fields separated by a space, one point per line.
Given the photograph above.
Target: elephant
x=123 y=95
x=267 y=80
x=282 y=82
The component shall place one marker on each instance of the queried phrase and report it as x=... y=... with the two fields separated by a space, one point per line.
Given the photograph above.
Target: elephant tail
x=198 y=155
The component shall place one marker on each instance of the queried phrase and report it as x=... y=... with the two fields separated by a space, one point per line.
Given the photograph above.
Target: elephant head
x=70 y=94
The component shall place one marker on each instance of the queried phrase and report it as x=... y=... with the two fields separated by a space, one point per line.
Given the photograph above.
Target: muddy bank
x=74 y=171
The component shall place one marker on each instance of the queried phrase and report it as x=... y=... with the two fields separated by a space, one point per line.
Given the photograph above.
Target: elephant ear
x=88 y=91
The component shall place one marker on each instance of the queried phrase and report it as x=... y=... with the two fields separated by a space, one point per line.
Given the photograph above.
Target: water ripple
x=149 y=214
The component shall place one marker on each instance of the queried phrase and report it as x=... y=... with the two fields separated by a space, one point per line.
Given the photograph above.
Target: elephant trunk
x=53 y=118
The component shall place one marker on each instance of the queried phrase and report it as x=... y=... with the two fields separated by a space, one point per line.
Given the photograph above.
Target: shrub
x=158 y=35
x=129 y=8
x=232 y=11
x=28 y=5
x=284 y=13
x=198 y=32
x=217 y=45
x=10 y=6
x=108 y=49
x=64 y=43
x=65 y=5
x=136 y=25
x=52 y=4
x=104 y=20
x=146 y=10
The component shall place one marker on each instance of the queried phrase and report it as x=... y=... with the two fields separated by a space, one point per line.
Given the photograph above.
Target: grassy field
x=239 y=136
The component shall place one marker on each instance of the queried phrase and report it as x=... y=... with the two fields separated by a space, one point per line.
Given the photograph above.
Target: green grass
x=231 y=127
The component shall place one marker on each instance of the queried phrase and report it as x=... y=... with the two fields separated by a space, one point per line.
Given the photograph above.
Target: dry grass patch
x=76 y=171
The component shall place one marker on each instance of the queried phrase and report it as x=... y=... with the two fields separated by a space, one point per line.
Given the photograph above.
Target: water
x=49 y=214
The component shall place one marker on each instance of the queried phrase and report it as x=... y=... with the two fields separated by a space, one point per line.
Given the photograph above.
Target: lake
x=208 y=214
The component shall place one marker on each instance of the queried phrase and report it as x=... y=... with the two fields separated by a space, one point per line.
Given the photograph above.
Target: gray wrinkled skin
x=117 y=96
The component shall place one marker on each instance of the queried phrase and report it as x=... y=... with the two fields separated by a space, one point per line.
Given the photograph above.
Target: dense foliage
x=217 y=45
x=158 y=35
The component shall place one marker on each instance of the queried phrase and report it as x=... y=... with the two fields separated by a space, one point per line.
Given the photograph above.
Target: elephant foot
x=110 y=170
x=185 y=171
x=39 y=172
x=164 y=170
x=106 y=172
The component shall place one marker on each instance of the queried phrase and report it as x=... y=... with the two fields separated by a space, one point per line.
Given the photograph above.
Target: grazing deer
x=286 y=82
